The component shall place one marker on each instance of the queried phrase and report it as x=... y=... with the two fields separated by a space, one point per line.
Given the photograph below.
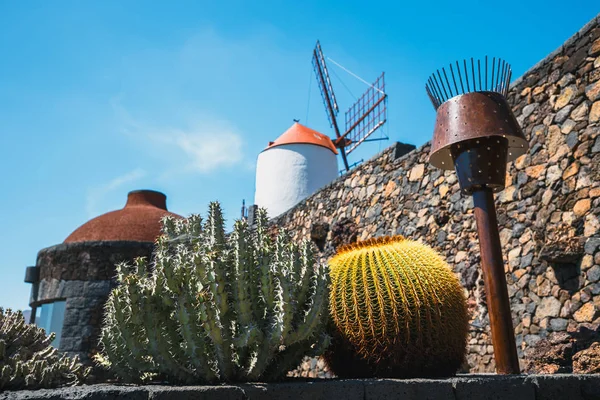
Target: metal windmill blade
x=331 y=106
x=362 y=119
x=368 y=114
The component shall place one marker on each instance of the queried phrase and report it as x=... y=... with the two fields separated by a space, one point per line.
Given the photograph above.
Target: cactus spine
x=216 y=308
x=27 y=361
x=397 y=311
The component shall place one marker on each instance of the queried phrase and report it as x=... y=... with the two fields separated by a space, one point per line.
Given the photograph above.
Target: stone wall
x=87 y=261
x=549 y=212
x=82 y=274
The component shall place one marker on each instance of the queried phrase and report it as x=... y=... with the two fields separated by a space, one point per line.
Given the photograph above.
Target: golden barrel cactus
x=397 y=310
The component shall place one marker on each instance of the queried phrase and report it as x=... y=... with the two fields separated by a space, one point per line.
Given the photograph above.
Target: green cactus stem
x=212 y=307
x=27 y=361
x=397 y=310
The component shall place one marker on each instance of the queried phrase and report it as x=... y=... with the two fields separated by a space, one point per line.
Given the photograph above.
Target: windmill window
x=51 y=317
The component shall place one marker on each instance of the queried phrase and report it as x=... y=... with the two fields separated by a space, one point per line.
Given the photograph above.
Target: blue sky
x=100 y=98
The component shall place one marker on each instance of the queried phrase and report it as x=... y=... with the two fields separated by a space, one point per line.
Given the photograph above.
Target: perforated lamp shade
x=474 y=116
x=476 y=132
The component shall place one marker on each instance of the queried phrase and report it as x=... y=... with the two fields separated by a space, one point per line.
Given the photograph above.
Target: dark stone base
x=467 y=387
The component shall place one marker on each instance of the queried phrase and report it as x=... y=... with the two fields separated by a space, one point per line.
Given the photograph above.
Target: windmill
x=362 y=119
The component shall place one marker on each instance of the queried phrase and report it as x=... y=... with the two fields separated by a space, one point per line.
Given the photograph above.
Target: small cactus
x=397 y=310
x=27 y=361
x=212 y=308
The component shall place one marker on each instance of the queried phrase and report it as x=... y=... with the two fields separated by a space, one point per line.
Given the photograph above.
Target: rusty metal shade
x=472 y=105
x=480 y=163
x=473 y=116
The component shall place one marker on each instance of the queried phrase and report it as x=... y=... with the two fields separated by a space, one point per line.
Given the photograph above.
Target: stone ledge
x=464 y=387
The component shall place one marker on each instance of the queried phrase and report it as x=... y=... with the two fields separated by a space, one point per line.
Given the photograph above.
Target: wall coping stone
x=462 y=387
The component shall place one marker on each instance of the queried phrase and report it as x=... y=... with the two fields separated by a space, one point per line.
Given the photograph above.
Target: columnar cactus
x=213 y=308
x=27 y=361
x=397 y=311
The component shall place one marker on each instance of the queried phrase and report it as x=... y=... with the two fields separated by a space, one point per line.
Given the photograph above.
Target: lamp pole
x=476 y=134
x=503 y=335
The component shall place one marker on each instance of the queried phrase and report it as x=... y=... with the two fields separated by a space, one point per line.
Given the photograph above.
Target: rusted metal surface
x=503 y=337
x=480 y=163
x=474 y=116
x=476 y=133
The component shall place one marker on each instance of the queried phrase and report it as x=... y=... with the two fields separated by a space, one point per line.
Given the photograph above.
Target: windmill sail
x=331 y=105
x=365 y=116
x=368 y=114
x=325 y=83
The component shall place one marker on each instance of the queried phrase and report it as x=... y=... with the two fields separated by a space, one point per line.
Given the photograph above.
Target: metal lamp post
x=476 y=134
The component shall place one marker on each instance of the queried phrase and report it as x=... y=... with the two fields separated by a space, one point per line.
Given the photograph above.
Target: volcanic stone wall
x=549 y=212
x=82 y=273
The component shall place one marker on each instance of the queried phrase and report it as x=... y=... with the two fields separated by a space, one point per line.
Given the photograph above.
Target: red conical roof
x=299 y=133
x=138 y=221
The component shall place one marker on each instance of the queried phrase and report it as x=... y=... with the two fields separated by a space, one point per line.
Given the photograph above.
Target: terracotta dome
x=138 y=221
x=300 y=134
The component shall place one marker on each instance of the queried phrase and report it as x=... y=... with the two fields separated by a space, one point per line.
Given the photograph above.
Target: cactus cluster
x=27 y=361
x=397 y=310
x=212 y=307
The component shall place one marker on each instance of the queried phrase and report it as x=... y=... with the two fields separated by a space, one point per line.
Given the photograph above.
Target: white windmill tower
x=302 y=160
x=294 y=166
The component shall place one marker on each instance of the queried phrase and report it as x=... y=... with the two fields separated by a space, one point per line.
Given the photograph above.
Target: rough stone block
x=590 y=387
x=400 y=150
x=314 y=390
x=70 y=343
x=196 y=393
x=390 y=389
x=73 y=289
x=559 y=386
x=468 y=387
x=493 y=387
x=91 y=392
x=71 y=316
x=591 y=245
x=76 y=302
x=48 y=289
x=97 y=288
